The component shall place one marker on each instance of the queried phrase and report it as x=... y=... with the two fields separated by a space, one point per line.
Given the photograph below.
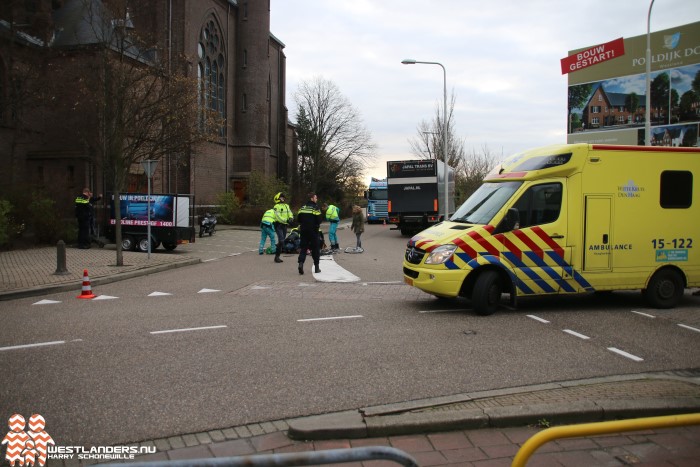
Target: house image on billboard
x=613 y=109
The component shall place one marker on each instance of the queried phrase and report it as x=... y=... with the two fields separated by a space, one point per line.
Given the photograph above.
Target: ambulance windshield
x=485 y=202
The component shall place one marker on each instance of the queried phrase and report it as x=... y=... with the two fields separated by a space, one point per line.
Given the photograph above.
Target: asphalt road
x=239 y=339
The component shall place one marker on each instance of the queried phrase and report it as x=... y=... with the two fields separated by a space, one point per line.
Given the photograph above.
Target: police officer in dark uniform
x=85 y=213
x=309 y=218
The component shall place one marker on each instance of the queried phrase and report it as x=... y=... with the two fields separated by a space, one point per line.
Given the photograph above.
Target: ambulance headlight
x=440 y=254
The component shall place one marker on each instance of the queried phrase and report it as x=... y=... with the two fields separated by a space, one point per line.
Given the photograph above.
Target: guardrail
x=599 y=428
x=330 y=456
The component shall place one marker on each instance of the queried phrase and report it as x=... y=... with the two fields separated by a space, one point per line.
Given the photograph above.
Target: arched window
x=212 y=70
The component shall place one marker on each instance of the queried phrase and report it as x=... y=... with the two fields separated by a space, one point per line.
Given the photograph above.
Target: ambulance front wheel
x=665 y=289
x=487 y=293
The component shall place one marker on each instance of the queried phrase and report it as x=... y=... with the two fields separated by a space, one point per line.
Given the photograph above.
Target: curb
x=43 y=289
x=449 y=413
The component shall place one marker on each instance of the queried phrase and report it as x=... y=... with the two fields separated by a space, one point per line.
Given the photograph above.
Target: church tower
x=252 y=100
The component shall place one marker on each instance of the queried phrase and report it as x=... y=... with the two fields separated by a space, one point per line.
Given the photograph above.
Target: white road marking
x=330 y=318
x=260 y=287
x=386 y=283
x=46 y=302
x=625 y=354
x=643 y=314
x=104 y=297
x=332 y=272
x=304 y=284
x=208 y=291
x=27 y=346
x=189 y=329
x=689 y=327
x=537 y=318
x=159 y=294
x=210 y=259
x=574 y=333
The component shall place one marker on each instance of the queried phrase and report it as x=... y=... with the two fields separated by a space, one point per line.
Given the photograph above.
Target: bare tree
x=470 y=169
x=136 y=107
x=334 y=145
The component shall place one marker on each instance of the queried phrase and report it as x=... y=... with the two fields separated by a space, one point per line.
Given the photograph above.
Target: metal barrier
x=331 y=456
x=599 y=428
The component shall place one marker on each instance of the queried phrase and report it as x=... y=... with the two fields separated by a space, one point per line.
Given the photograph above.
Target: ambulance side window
x=540 y=204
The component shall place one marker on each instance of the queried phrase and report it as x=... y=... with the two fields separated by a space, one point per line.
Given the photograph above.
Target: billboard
x=607 y=100
x=166 y=210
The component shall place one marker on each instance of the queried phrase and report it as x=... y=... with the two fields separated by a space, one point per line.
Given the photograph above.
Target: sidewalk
x=478 y=429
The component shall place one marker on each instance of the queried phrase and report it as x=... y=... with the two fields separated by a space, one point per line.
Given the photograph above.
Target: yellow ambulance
x=569 y=219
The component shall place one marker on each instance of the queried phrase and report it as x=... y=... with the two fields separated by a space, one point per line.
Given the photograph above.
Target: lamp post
x=647 y=111
x=149 y=166
x=410 y=61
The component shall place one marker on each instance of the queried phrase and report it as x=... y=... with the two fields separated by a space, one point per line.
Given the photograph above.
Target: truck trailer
x=171 y=218
x=416 y=194
x=569 y=219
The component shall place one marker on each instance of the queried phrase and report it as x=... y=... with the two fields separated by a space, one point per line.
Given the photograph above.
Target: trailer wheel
x=487 y=293
x=143 y=245
x=128 y=243
x=169 y=246
x=665 y=289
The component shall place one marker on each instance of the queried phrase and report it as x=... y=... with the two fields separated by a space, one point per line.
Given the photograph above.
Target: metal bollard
x=61 y=268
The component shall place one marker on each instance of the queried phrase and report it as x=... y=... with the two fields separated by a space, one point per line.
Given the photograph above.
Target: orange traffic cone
x=87 y=290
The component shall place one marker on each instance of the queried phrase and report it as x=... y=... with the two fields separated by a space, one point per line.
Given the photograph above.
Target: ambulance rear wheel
x=665 y=289
x=487 y=293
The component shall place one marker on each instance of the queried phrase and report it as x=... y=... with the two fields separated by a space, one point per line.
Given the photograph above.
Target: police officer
x=283 y=215
x=267 y=229
x=309 y=218
x=333 y=216
x=85 y=214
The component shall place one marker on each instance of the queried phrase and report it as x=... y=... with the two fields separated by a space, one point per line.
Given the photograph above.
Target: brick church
x=226 y=43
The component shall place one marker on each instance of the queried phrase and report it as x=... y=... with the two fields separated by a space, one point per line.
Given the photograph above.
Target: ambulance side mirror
x=509 y=222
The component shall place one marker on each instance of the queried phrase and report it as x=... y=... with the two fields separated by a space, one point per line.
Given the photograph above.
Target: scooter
x=208 y=225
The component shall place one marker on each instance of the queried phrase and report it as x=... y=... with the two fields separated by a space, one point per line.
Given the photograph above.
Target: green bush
x=262 y=190
x=229 y=206
x=5 y=223
x=44 y=219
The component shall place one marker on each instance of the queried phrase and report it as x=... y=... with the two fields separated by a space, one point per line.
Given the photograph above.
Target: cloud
x=502 y=60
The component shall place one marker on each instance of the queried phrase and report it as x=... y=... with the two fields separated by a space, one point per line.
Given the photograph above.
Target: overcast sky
x=502 y=59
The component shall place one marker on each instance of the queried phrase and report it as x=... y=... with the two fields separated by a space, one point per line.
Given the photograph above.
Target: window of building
x=676 y=189
x=211 y=71
x=595 y=120
x=595 y=109
x=600 y=98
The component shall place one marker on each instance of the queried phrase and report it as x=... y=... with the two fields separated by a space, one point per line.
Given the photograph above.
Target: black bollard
x=61 y=258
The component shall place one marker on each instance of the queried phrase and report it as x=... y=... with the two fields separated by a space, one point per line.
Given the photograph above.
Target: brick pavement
x=480 y=448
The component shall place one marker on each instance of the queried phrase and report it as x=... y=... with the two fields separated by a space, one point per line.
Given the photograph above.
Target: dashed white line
x=574 y=333
x=330 y=318
x=625 y=354
x=689 y=327
x=27 y=346
x=643 y=314
x=537 y=318
x=189 y=329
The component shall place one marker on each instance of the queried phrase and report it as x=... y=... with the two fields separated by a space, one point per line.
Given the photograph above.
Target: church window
x=211 y=71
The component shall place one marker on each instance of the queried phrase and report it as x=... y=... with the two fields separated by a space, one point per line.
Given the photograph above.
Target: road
x=239 y=339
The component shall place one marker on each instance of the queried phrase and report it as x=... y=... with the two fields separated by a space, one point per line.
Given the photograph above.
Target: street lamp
x=149 y=166
x=410 y=61
x=647 y=111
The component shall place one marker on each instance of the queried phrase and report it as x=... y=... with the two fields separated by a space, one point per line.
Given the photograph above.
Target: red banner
x=594 y=55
